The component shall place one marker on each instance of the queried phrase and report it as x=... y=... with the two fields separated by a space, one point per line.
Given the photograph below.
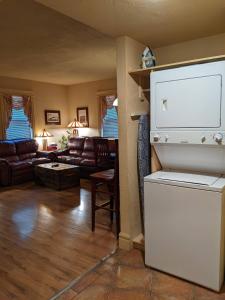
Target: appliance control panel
x=188 y=137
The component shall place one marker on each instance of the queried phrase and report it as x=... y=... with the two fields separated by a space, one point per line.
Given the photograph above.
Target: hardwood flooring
x=46 y=239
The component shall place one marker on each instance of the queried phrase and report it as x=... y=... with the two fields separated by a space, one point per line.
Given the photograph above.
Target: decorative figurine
x=148 y=59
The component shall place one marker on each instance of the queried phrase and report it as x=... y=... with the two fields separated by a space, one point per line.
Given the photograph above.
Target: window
x=110 y=118
x=19 y=126
x=110 y=123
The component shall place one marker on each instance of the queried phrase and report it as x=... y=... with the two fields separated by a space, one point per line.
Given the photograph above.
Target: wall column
x=128 y=57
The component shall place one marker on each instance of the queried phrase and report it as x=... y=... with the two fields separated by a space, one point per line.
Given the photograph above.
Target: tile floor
x=123 y=276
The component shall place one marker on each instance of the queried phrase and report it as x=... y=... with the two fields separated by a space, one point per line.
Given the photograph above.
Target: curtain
x=27 y=104
x=106 y=102
x=7 y=106
x=103 y=110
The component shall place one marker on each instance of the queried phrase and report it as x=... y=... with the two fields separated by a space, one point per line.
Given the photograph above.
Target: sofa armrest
x=42 y=154
x=4 y=162
x=5 y=172
x=46 y=154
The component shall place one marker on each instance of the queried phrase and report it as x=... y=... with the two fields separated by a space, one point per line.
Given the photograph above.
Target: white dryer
x=184 y=203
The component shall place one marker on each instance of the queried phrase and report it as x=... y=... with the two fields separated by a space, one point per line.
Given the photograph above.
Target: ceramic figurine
x=148 y=59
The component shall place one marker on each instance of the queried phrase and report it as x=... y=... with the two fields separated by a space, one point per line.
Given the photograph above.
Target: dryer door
x=189 y=103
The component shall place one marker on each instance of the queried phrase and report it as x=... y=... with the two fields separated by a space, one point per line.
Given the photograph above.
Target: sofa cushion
x=11 y=158
x=75 y=152
x=26 y=149
x=88 y=162
x=40 y=160
x=89 y=149
x=76 y=143
x=75 y=146
x=26 y=156
x=70 y=160
x=89 y=144
x=76 y=161
x=7 y=149
x=20 y=165
x=64 y=158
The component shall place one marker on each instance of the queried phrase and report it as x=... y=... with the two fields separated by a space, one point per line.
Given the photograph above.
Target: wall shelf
x=136 y=115
x=146 y=72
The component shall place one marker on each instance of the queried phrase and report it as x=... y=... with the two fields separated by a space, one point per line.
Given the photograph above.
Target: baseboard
x=139 y=242
x=125 y=242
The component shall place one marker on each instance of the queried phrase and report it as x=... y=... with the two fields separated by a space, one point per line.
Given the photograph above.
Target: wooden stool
x=111 y=179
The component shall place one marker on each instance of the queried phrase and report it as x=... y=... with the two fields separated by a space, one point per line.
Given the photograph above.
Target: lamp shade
x=115 y=102
x=75 y=124
x=44 y=134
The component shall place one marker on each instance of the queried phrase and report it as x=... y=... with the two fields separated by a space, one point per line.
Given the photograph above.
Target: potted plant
x=64 y=140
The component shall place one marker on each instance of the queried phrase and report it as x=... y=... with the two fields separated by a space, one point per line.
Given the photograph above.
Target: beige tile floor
x=124 y=277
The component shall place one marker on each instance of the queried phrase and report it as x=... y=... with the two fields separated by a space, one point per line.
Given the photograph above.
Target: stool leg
x=111 y=208
x=111 y=205
x=117 y=210
x=93 y=203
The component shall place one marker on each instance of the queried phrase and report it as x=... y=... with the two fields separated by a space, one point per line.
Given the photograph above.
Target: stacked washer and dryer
x=184 y=202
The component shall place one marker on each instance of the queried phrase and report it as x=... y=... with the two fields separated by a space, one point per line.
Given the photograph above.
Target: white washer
x=184 y=226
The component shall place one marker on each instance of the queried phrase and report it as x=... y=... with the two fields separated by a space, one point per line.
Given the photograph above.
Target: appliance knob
x=203 y=139
x=156 y=138
x=218 y=137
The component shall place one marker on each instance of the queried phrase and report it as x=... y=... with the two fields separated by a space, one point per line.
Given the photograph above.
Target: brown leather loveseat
x=17 y=159
x=91 y=154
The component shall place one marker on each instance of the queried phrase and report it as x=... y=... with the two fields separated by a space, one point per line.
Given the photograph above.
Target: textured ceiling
x=41 y=44
x=54 y=45
x=154 y=22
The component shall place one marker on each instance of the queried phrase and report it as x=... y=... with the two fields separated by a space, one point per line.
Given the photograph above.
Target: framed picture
x=82 y=116
x=52 y=117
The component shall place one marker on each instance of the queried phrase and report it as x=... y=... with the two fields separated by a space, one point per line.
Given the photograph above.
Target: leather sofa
x=17 y=159
x=91 y=154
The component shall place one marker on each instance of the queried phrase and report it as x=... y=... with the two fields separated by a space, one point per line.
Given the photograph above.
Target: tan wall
x=199 y=48
x=128 y=57
x=86 y=94
x=63 y=98
x=45 y=96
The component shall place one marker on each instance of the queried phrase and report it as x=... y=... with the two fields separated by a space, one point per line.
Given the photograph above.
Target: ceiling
x=73 y=41
x=153 y=22
x=41 y=44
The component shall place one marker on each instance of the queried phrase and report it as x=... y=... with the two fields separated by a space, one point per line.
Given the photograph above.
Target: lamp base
x=75 y=132
x=45 y=144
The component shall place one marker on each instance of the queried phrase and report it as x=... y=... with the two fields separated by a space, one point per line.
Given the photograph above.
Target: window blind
x=19 y=126
x=110 y=123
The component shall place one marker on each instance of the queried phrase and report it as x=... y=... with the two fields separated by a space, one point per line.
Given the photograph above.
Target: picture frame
x=83 y=116
x=52 y=117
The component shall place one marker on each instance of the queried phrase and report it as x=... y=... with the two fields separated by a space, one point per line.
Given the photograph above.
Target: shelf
x=146 y=72
x=136 y=115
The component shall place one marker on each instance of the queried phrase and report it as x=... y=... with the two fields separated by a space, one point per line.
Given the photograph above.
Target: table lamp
x=44 y=135
x=75 y=124
x=115 y=102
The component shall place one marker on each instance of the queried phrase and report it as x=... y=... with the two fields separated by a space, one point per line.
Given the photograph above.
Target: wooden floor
x=46 y=241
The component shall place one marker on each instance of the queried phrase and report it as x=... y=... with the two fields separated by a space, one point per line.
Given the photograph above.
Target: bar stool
x=109 y=178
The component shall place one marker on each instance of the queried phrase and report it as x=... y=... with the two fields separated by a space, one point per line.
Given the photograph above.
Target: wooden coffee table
x=57 y=175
